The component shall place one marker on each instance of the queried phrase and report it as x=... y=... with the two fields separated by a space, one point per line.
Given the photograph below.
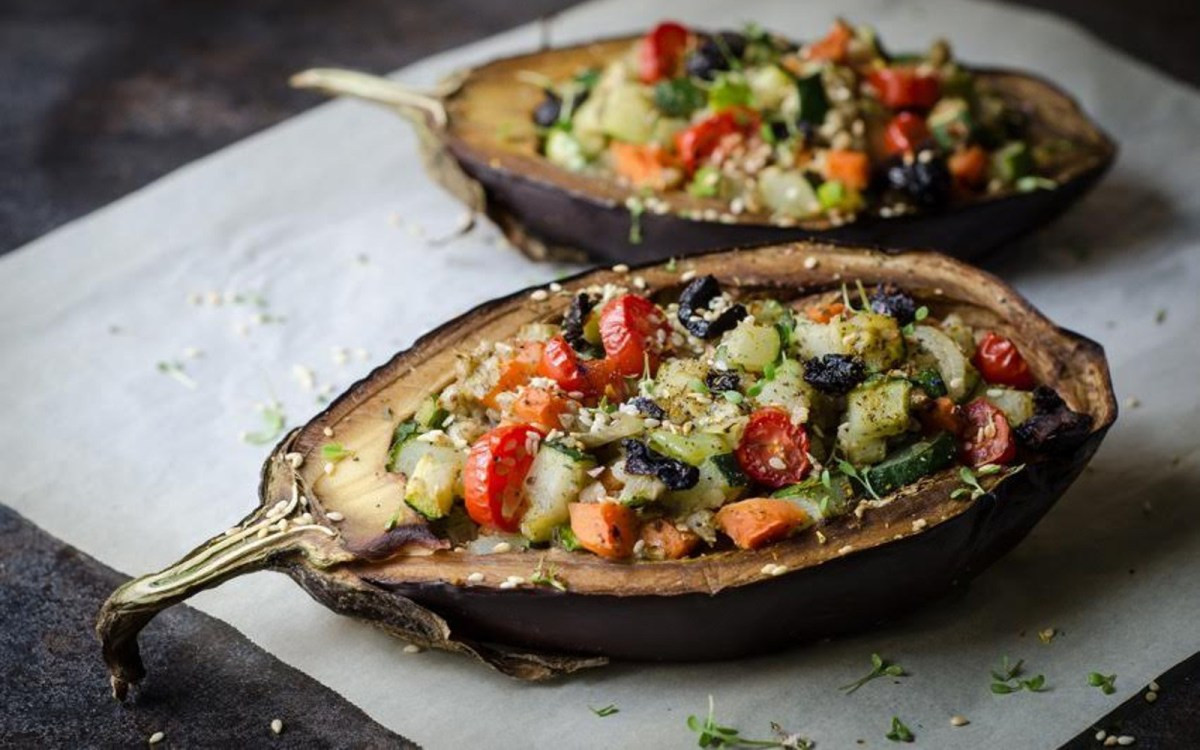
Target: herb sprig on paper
x=879 y=668
x=1007 y=679
x=900 y=733
x=711 y=734
x=1106 y=683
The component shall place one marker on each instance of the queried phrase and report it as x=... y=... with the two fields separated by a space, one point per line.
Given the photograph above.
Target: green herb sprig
x=971 y=479
x=711 y=734
x=604 y=711
x=900 y=733
x=273 y=422
x=848 y=469
x=879 y=668
x=335 y=452
x=1007 y=679
x=543 y=576
x=1106 y=683
x=921 y=314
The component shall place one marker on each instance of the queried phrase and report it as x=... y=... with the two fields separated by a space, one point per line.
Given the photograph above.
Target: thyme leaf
x=900 y=733
x=880 y=667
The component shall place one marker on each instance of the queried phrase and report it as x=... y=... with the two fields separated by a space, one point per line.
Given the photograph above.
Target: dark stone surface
x=208 y=685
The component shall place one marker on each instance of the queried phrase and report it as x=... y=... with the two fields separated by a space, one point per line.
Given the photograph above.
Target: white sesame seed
x=1151 y=696
x=1125 y=740
x=555 y=286
x=328 y=468
x=1101 y=735
x=327 y=432
x=846 y=550
x=338 y=355
x=1154 y=686
x=638 y=547
x=779 y=570
x=1111 y=741
x=475 y=578
x=959 y=720
x=620 y=268
x=539 y=295
x=502 y=547
x=507 y=585
x=334 y=516
x=276 y=726
x=919 y=524
x=687 y=275
x=261 y=533
x=518 y=580
x=156 y=738
x=777 y=463
x=766 y=569
x=811 y=262
x=412 y=648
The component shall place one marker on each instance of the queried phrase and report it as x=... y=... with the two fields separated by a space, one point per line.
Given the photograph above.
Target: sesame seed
x=515 y=580
x=156 y=738
x=919 y=524
x=1111 y=741
x=777 y=463
x=539 y=295
x=639 y=282
x=276 y=726
x=1151 y=696
x=506 y=585
x=295 y=460
x=846 y=550
x=328 y=468
x=766 y=569
x=475 y=578
x=821 y=538
x=638 y=547
x=334 y=516
x=959 y=720
x=1154 y=686
x=687 y=275
x=1101 y=735
x=811 y=262
x=779 y=570
x=620 y=268
x=502 y=547
x=1125 y=740
x=412 y=648
x=327 y=432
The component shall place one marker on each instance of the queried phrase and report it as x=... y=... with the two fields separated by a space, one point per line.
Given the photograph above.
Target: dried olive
x=719 y=381
x=889 y=299
x=695 y=298
x=923 y=177
x=575 y=319
x=1053 y=426
x=834 y=373
x=647 y=406
x=642 y=459
x=546 y=113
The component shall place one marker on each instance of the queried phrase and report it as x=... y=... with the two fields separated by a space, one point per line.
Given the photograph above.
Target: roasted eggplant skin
x=481 y=143
x=865 y=572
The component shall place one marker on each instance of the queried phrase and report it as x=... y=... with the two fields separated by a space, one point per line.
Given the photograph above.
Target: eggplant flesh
x=330 y=531
x=480 y=142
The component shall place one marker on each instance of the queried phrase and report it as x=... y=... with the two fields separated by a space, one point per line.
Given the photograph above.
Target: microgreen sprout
x=712 y=734
x=334 y=452
x=900 y=733
x=608 y=710
x=1006 y=678
x=733 y=397
x=921 y=314
x=862 y=295
x=1106 y=683
x=273 y=423
x=848 y=469
x=879 y=668
x=175 y=371
x=672 y=264
x=543 y=576
x=971 y=479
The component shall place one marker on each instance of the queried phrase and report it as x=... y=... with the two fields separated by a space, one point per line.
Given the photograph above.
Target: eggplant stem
x=260 y=541
x=340 y=82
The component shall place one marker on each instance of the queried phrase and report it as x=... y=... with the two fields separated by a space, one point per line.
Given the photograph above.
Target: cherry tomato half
x=999 y=362
x=905 y=88
x=904 y=133
x=987 y=437
x=561 y=364
x=773 y=451
x=494 y=475
x=697 y=142
x=629 y=328
x=660 y=51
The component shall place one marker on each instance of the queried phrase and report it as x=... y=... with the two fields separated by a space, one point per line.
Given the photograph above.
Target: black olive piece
x=922 y=177
x=648 y=407
x=642 y=459
x=780 y=130
x=835 y=374
x=695 y=298
x=1054 y=427
x=574 y=320
x=719 y=381
x=712 y=56
x=546 y=113
x=889 y=299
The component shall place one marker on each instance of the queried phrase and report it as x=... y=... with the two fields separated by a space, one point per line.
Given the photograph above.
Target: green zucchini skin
x=912 y=462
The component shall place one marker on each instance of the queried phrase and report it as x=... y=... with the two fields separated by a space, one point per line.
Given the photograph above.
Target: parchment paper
x=321 y=216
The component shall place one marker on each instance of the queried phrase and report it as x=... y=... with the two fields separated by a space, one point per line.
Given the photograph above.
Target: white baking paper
x=327 y=217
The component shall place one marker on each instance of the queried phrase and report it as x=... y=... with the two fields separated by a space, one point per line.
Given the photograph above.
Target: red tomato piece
x=987 y=437
x=905 y=88
x=834 y=45
x=773 y=451
x=999 y=362
x=629 y=328
x=495 y=474
x=561 y=364
x=660 y=51
x=904 y=133
x=696 y=143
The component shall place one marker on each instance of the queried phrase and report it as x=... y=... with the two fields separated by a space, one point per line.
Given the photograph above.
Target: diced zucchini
x=565 y=150
x=691 y=449
x=413 y=450
x=818 y=501
x=637 y=489
x=429 y=415
x=912 y=462
x=874 y=412
x=930 y=381
x=816 y=339
x=555 y=478
x=613 y=427
x=769 y=85
x=749 y=346
x=957 y=373
x=1016 y=405
x=787 y=389
x=433 y=483
x=813 y=103
x=1011 y=162
x=721 y=481
x=950 y=121
x=874 y=337
x=629 y=114
x=404 y=432
x=787 y=193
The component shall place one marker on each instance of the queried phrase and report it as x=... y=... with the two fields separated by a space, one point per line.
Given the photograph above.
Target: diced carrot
x=969 y=166
x=834 y=46
x=516 y=372
x=666 y=542
x=607 y=529
x=943 y=415
x=541 y=407
x=852 y=168
x=760 y=520
x=824 y=313
x=643 y=166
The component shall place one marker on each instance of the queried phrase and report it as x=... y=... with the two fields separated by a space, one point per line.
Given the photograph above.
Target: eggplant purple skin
x=601 y=232
x=888 y=581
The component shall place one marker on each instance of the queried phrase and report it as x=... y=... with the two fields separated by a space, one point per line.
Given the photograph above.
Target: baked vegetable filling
x=703 y=419
x=825 y=130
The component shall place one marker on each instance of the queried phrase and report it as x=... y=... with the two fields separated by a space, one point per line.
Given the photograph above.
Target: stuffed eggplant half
x=697 y=460
x=683 y=141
